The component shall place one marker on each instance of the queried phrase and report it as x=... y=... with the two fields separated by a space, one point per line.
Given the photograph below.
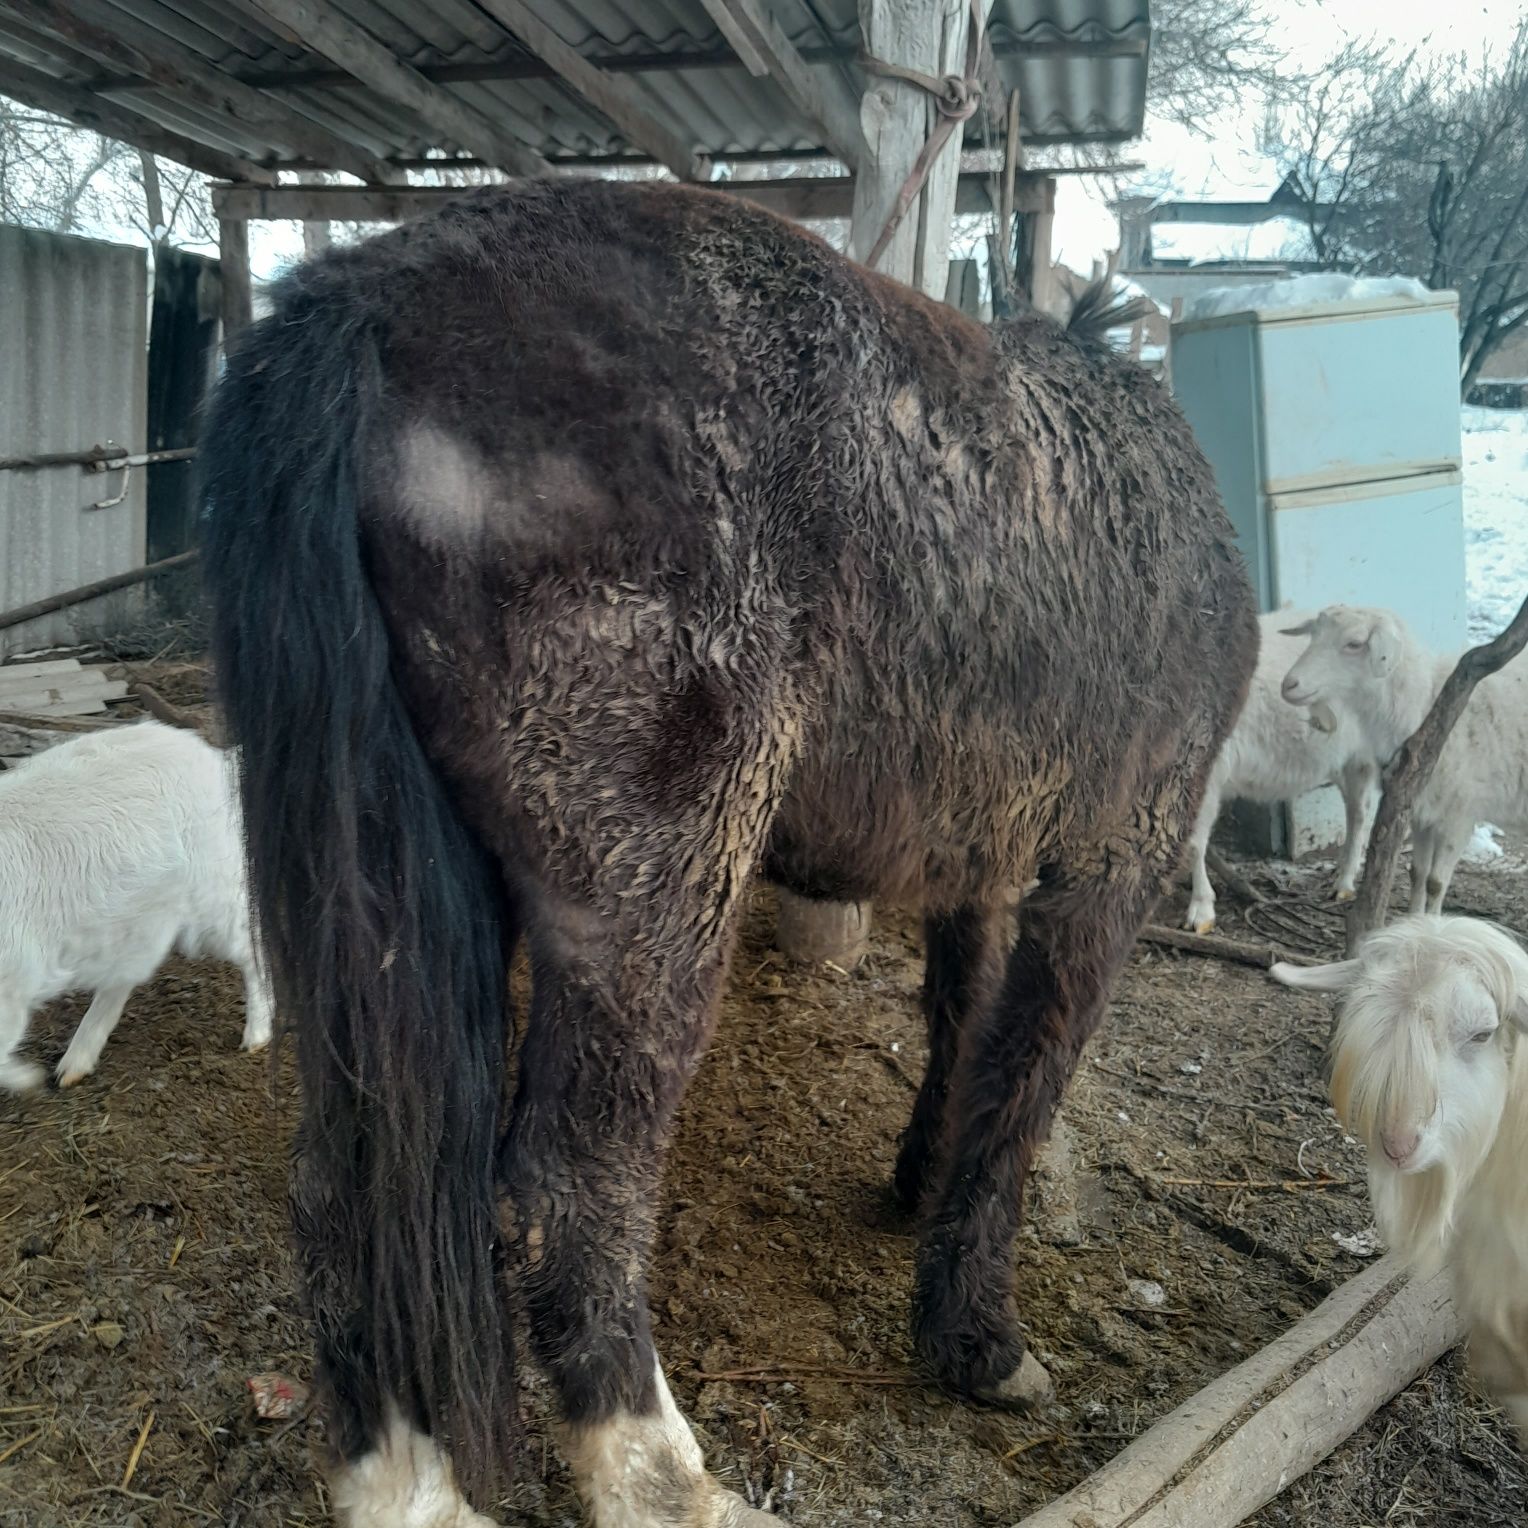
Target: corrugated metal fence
x=73 y=375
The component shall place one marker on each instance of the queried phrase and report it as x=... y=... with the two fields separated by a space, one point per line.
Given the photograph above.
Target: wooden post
x=897 y=118
x=1412 y=768
x=1034 y=273
x=315 y=231
x=238 y=290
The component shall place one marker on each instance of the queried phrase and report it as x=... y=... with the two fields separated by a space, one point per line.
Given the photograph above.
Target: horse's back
x=684 y=444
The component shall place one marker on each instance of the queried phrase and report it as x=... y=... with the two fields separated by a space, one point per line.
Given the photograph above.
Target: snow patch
x=1483 y=846
x=1303 y=292
x=1495 y=451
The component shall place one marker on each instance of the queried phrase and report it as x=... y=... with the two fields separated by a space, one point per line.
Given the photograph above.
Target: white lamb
x=1430 y=1071
x=1275 y=753
x=115 y=849
x=1365 y=667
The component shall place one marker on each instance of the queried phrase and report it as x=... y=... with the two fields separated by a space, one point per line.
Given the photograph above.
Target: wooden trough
x=1241 y=1440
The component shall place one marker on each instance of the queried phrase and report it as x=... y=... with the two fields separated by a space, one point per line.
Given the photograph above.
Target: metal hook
x=127 y=468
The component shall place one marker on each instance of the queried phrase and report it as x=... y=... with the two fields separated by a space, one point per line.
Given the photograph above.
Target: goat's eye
x=1354 y=647
x=1481 y=1036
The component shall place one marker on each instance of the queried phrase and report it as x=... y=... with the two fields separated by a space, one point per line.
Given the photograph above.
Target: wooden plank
x=326 y=31
x=31 y=670
x=609 y=94
x=44 y=93
x=54 y=687
x=112 y=37
x=78 y=681
x=822 y=96
x=50 y=703
x=804 y=198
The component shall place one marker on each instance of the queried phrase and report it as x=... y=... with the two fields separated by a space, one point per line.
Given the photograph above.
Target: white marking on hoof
x=1029 y=1385
x=648 y=1472
x=404 y=1482
x=20 y=1076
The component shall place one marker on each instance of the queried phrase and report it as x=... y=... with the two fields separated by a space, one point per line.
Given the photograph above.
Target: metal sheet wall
x=73 y=374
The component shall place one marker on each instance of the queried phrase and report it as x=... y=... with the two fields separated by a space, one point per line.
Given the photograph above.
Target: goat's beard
x=1415 y=1211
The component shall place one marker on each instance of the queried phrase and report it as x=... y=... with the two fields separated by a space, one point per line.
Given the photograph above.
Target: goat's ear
x=1384 y=646
x=1336 y=977
x=1304 y=629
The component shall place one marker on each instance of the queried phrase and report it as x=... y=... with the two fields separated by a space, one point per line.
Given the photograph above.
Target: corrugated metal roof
x=1079 y=65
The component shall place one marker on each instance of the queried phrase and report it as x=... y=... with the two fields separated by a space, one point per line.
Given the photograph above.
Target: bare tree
x=58 y=177
x=1406 y=167
x=1331 y=140
x=50 y=173
x=1207 y=55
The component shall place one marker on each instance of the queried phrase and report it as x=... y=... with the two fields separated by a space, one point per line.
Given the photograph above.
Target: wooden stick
x=90 y=591
x=1234 y=882
x=1260 y=955
x=1238 y=1442
x=1412 y=768
x=161 y=709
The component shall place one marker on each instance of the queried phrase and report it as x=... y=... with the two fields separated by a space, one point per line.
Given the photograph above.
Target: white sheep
x=1430 y=1071
x=1274 y=753
x=115 y=849
x=1365 y=667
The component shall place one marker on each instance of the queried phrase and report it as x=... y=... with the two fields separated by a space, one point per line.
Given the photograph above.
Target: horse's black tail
x=381 y=912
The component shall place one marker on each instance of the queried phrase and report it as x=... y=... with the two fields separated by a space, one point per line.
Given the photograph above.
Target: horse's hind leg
x=962 y=966
x=1014 y=1063
x=626 y=969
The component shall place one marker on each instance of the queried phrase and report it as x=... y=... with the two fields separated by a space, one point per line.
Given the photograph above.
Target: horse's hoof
x=1028 y=1386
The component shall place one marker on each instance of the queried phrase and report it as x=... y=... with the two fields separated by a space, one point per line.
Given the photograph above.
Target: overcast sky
x=1223 y=162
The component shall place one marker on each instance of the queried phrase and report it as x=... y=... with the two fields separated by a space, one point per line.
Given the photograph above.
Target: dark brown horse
x=576 y=553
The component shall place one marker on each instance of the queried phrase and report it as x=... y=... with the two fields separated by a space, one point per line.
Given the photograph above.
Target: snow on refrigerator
x=1329 y=409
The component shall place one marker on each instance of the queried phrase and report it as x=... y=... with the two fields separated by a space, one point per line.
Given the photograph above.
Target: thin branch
x=1412 y=768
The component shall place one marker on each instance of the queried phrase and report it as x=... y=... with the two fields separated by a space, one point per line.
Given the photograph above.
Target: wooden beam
x=802 y=199
x=113 y=38
x=322 y=28
x=1254 y=1431
x=310 y=78
x=609 y=94
x=237 y=284
x=1237 y=213
x=44 y=93
x=822 y=97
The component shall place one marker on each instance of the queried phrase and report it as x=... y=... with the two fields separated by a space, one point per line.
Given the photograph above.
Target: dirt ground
x=144 y=1275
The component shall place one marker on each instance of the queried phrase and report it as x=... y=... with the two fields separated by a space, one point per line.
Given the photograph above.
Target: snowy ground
x=1495 y=537
x=1495 y=516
